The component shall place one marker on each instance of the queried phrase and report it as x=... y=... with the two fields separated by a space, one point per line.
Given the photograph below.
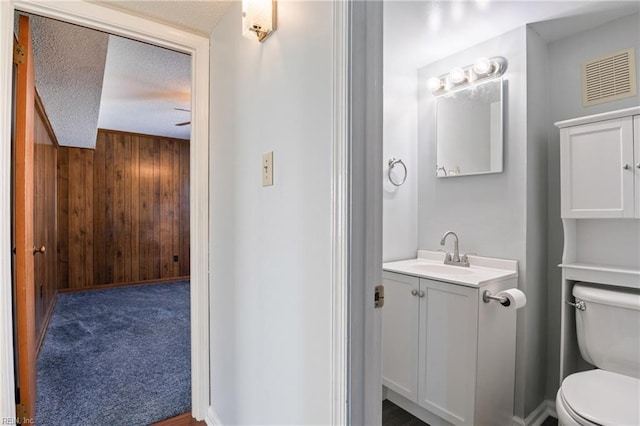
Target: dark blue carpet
x=115 y=357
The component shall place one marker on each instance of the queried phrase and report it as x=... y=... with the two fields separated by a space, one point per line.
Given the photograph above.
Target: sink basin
x=442 y=269
x=430 y=265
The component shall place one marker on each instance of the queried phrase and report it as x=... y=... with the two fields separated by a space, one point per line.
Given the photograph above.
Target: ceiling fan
x=186 y=122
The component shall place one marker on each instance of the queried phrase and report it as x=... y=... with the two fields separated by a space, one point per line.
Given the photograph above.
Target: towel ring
x=392 y=164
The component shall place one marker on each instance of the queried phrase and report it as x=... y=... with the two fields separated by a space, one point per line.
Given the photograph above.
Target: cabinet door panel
x=593 y=180
x=400 y=335
x=636 y=160
x=448 y=347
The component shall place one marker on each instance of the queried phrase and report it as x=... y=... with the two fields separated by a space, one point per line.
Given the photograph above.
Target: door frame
x=365 y=214
x=137 y=28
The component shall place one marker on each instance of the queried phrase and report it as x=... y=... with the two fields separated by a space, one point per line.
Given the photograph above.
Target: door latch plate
x=379 y=296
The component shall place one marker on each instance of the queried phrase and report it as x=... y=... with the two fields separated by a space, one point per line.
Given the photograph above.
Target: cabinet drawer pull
x=414 y=292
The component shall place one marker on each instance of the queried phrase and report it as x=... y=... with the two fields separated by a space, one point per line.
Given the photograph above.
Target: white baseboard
x=536 y=418
x=551 y=408
x=212 y=418
x=539 y=415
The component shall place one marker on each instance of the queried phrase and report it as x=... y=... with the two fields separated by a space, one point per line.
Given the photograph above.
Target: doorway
x=427 y=41
x=137 y=28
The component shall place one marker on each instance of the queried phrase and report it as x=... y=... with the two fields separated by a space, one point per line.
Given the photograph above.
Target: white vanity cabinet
x=429 y=344
x=600 y=165
x=448 y=357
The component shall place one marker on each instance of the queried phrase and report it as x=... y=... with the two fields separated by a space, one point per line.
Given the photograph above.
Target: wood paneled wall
x=44 y=212
x=123 y=211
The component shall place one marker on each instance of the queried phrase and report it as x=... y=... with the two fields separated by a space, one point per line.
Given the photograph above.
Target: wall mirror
x=469 y=131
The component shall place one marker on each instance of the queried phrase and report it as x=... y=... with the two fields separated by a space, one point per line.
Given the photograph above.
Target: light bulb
x=434 y=84
x=482 y=66
x=457 y=75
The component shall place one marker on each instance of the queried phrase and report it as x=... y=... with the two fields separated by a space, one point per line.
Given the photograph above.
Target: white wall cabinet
x=448 y=357
x=636 y=160
x=600 y=167
x=600 y=185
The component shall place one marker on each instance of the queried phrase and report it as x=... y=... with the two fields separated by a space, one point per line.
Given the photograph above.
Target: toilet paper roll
x=515 y=298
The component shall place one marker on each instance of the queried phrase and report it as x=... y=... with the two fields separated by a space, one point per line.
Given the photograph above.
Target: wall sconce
x=484 y=69
x=258 y=18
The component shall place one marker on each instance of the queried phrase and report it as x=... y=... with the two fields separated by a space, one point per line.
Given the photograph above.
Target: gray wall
x=485 y=210
x=536 y=213
x=497 y=215
x=400 y=138
x=565 y=101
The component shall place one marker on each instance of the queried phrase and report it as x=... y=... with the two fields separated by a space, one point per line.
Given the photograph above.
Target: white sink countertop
x=430 y=264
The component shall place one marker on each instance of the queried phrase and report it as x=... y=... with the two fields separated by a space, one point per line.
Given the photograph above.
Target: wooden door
x=23 y=222
x=45 y=218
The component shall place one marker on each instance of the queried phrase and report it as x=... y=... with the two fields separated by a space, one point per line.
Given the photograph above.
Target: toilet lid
x=603 y=397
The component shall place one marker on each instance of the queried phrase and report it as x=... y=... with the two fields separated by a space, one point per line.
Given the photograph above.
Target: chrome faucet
x=455 y=259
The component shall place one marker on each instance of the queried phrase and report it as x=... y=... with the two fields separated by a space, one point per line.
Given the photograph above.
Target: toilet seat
x=568 y=417
x=598 y=397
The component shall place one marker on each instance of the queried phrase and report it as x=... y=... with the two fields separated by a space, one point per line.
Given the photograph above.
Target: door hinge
x=379 y=296
x=19 y=53
x=21 y=412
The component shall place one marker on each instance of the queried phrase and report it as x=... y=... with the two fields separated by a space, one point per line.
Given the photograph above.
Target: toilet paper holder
x=488 y=297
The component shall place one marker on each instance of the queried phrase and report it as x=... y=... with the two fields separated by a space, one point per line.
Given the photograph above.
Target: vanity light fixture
x=484 y=69
x=258 y=18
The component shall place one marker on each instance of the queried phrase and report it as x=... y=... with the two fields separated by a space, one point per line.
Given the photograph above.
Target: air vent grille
x=609 y=78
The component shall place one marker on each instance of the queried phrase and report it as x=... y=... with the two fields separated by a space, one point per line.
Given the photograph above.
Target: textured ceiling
x=88 y=79
x=69 y=65
x=199 y=16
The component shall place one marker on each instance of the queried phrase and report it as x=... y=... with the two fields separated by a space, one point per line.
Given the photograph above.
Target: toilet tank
x=608 y=329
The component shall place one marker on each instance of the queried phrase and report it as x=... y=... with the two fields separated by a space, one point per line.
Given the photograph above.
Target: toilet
x=608 y=332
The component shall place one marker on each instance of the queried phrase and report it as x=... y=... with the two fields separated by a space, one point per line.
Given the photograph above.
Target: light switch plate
x=267 y=169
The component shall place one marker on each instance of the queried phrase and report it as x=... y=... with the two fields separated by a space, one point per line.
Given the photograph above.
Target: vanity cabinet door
x=597 y=170
x=400 y=334
x=448 y=348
